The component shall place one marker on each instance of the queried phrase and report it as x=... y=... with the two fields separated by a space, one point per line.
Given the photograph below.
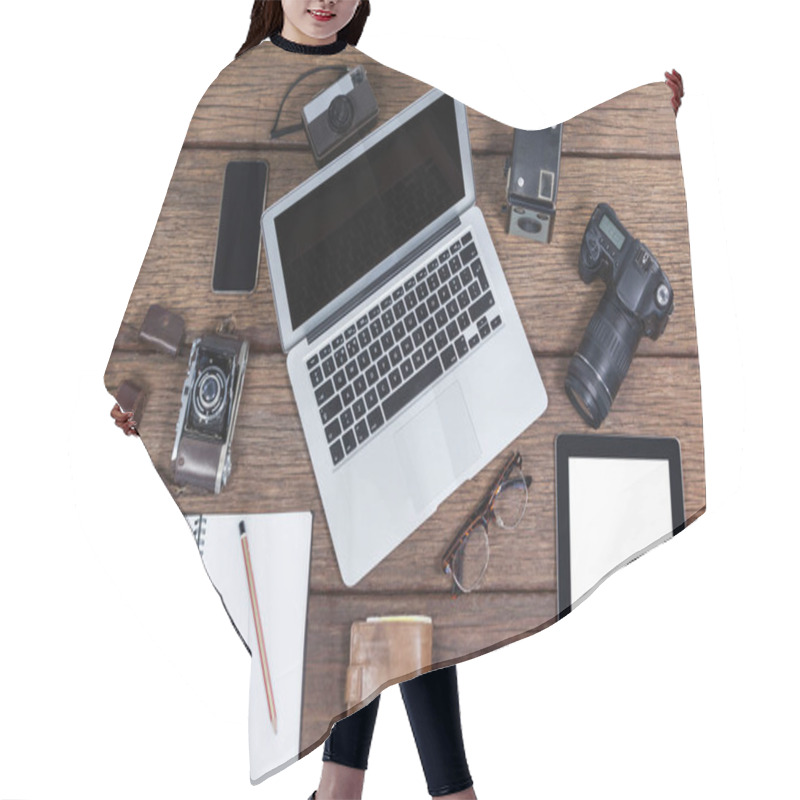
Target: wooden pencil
x=262 y=650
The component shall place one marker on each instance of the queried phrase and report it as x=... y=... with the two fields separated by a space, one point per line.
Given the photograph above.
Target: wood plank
x=239 y=108
x=639 y=122
x=555 y=306
x=553 y=302
x=462 y=628
x=272 y=471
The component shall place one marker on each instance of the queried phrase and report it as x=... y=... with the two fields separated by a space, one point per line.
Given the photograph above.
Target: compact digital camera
x=532 y=183
x=201 y=456
x=638 y=301
x=336 y=117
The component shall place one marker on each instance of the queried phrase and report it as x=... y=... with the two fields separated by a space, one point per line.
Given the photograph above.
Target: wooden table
x=624 y=152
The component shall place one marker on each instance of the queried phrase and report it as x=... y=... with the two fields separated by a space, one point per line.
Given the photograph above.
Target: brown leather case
x=386 y=649
x=162 y=329
x=131 y=397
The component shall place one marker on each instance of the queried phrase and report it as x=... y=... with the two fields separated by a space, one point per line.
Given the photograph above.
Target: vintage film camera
x=201 y=456
x=336 y=116
x=638 y=301
x=532 y=183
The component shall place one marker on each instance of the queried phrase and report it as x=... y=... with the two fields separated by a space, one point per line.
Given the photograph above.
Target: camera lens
x=601 y=362
x=529 y=225
x=209 y=393
x=340 y=113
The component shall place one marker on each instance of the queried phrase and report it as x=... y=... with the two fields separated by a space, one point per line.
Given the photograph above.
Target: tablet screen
x=617 y=497
x=617 y=507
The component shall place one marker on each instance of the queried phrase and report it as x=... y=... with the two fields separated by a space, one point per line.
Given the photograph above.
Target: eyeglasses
x=467 y=557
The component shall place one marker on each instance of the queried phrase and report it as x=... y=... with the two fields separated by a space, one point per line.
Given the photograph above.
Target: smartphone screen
x=244 y=194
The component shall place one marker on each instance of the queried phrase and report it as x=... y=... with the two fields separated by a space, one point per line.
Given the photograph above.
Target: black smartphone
x=244 y=194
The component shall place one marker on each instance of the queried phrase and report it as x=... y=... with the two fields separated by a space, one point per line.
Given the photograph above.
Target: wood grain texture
x=553 y=302
x=272 y=471
x=240 y=107
x=624 y=152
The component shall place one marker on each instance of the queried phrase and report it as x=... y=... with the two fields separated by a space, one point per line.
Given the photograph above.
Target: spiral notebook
x=280 y=548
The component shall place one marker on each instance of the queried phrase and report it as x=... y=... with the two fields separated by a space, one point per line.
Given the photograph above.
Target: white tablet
x=616 y=498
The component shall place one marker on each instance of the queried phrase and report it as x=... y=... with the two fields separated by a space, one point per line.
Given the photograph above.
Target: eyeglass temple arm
x=484 y=508
x=458 y=539
x=462 y=534
x=527 y=478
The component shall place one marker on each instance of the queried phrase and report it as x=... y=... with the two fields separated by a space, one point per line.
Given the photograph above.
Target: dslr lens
x=601 y=362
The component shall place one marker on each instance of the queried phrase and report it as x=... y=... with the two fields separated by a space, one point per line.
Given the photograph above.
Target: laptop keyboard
x=373 y=368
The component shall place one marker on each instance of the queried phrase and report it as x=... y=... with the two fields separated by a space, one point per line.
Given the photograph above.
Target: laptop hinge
x=387 y=277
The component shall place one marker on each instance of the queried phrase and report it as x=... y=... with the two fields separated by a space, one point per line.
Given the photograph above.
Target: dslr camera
x=638 y=301
x=336 y=116
x=201 y=456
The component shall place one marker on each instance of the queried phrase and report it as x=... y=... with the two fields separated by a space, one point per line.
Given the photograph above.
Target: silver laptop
x=406 y=355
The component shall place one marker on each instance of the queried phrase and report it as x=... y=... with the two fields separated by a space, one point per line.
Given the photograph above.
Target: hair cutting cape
x=598 y=497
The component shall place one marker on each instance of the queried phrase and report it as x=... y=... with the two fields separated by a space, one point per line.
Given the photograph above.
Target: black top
x=308 y=49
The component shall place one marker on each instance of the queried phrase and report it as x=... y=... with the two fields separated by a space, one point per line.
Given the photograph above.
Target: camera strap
x=276 y=132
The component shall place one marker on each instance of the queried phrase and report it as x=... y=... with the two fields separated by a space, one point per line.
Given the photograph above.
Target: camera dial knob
x=592 y=241
x=663 y=295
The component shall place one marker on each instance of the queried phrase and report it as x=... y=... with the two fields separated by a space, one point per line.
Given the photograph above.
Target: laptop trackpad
x=437 y=447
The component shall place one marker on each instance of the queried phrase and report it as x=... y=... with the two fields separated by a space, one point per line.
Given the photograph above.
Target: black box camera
x=532 y=185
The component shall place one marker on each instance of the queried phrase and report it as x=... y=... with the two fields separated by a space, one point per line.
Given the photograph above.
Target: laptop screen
x=337 y=233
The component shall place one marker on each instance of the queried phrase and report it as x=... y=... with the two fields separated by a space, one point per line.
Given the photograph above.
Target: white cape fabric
x=623 y=491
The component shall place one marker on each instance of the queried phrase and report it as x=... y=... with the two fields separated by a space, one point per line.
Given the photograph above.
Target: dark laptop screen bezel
x=292 y=333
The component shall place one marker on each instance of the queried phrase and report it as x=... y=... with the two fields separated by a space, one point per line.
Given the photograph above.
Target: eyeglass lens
x=472 y=558
x=510 y=501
